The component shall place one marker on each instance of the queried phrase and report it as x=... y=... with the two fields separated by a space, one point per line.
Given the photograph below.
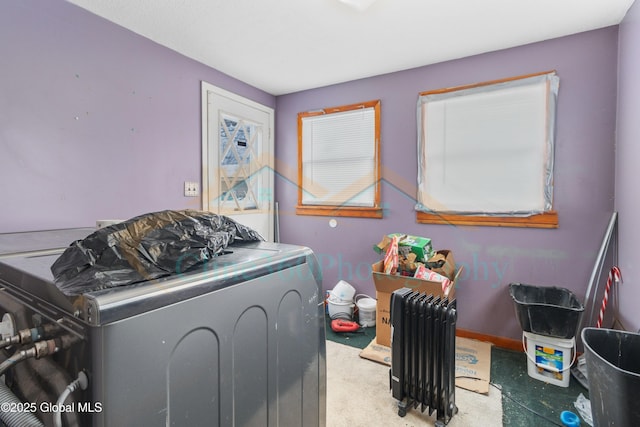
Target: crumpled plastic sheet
x=144 y=248
x=583 y=405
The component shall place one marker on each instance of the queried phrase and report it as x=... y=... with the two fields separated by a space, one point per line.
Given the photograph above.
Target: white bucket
x=342 y=292
x=366 y=310
x=549 y=359
x=340 y=310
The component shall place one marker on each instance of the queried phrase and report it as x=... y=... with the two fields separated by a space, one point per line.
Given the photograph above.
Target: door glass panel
x=239 y=164
x=238 y=178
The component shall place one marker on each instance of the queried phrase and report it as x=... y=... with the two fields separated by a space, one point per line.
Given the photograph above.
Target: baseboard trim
x=506 y=343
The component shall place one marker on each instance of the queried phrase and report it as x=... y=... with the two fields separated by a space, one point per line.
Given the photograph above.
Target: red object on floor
x=341 y=325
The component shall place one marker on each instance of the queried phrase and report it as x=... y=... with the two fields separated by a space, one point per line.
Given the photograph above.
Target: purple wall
x=96 y=122
x=627 y=160
x=492 y=257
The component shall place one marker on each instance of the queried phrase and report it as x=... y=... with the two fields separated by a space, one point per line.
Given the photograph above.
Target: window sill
x=544 y=220
x=346 y=211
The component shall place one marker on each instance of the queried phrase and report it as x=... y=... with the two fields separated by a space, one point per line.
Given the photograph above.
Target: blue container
x=569 y=419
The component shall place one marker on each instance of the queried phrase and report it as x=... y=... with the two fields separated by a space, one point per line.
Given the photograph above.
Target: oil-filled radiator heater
x=423 y=353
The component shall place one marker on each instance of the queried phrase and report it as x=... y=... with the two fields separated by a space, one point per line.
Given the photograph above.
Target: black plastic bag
x=146 y=247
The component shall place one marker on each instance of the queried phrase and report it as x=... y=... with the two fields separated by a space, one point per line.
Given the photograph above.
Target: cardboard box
x=473 y=362
x=386 y=284
x=420 y=246
x=381 y=247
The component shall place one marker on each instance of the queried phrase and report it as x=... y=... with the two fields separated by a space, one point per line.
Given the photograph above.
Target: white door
x=237 y=147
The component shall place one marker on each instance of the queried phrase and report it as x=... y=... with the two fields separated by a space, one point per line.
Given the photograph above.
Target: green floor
x=525 y=401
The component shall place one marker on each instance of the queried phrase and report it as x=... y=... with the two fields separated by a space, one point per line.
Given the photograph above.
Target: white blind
x=338 y=159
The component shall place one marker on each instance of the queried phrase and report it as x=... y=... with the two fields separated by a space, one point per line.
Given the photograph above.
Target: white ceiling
x=284 y=46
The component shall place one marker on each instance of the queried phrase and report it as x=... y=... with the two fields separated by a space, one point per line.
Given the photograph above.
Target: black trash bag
x=144 y=248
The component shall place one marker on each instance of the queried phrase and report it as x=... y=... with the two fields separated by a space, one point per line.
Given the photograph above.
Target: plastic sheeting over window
x=488 y=149
x=146 y=247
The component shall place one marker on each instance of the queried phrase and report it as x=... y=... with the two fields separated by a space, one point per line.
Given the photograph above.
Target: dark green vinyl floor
x=526 y=401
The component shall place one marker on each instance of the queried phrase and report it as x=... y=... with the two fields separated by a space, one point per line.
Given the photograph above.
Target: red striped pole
x=613 y=274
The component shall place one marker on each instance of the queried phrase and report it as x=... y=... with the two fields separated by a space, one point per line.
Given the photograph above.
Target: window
x=486 y=153
x=339 y=161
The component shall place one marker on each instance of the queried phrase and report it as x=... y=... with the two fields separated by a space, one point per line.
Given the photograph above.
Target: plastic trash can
x=613 y=368
x=546 y=310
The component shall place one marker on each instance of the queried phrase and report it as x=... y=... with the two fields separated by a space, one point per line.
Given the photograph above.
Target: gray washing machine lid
x=40 y=242
x=28 y=275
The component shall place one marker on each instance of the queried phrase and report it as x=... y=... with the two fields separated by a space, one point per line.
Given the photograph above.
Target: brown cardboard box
x=386 y=284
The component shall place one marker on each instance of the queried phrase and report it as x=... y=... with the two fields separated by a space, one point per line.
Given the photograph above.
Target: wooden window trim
x=342 y=211
x=542 y=220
